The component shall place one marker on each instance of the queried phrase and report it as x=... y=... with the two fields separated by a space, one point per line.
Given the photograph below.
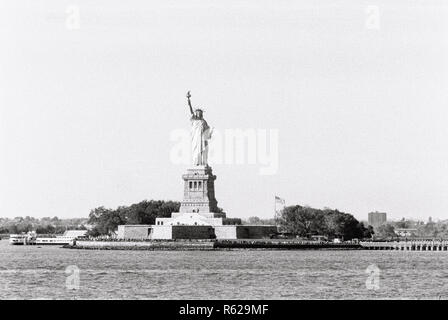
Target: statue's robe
x=200 y=133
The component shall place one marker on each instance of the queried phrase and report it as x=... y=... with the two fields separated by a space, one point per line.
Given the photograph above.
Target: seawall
x=181 y=245
x=142 y=245
x=284 y=245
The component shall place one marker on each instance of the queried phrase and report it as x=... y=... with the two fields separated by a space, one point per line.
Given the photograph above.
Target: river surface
x=51 y=272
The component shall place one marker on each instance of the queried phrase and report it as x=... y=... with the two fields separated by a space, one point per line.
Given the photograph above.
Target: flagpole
x=275 y=208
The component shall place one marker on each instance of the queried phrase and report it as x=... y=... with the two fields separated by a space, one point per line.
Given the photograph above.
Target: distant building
x=406 y=232
x=377 y=219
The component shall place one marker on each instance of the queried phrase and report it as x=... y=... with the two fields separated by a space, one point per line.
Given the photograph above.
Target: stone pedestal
x=197 y=217
x=199 y=204
x=199 y=191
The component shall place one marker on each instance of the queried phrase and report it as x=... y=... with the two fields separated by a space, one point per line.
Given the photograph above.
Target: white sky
x=86 y=115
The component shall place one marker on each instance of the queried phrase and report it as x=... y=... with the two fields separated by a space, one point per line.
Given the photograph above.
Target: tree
x=231 y=221
x=254 y=220
x=41 y=226
x=386 y=231
x=403 y=224
x=106 y=221
x=259 y=221
x=368 y=232
x=301 y=221
x=306 y=221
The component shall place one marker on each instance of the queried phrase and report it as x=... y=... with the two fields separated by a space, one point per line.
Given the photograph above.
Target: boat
x=59 y=240
x=28 y=238
x=67 y=238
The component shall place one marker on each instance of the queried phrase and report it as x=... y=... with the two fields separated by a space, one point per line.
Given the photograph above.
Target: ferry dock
x=410 y=245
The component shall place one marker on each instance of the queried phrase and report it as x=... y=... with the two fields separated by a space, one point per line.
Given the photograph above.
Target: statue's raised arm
x=189 y=103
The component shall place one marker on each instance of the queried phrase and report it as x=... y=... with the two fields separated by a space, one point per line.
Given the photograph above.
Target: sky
x=92 y=91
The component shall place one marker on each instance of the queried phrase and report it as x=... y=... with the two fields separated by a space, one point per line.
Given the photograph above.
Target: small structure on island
x=198 y=216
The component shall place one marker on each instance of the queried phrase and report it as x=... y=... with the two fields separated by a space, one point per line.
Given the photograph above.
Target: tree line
x=307 y=222
x=419 y=229
x=106 y=221
x=297 y=220
x=44 y=225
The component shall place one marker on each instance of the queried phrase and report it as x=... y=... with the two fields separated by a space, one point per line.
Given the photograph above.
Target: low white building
x=405 y=232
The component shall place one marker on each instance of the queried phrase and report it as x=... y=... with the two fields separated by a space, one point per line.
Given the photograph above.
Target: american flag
x=279 y=200
x=277 y=211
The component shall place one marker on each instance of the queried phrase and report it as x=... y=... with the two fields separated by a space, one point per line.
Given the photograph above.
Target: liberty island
x=198 y=216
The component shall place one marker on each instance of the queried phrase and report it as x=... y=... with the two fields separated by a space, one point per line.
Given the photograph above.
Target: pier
x=412 y=245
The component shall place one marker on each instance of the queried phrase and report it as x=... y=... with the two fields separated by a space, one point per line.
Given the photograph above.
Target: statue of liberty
x=200 y=134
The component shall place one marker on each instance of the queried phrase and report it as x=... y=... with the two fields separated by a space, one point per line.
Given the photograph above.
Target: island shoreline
x=209 y=245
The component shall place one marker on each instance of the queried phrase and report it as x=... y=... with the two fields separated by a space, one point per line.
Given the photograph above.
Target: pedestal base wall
x=172 y=232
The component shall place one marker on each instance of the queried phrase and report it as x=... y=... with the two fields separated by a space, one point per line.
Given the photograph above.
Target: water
x=29 y=272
